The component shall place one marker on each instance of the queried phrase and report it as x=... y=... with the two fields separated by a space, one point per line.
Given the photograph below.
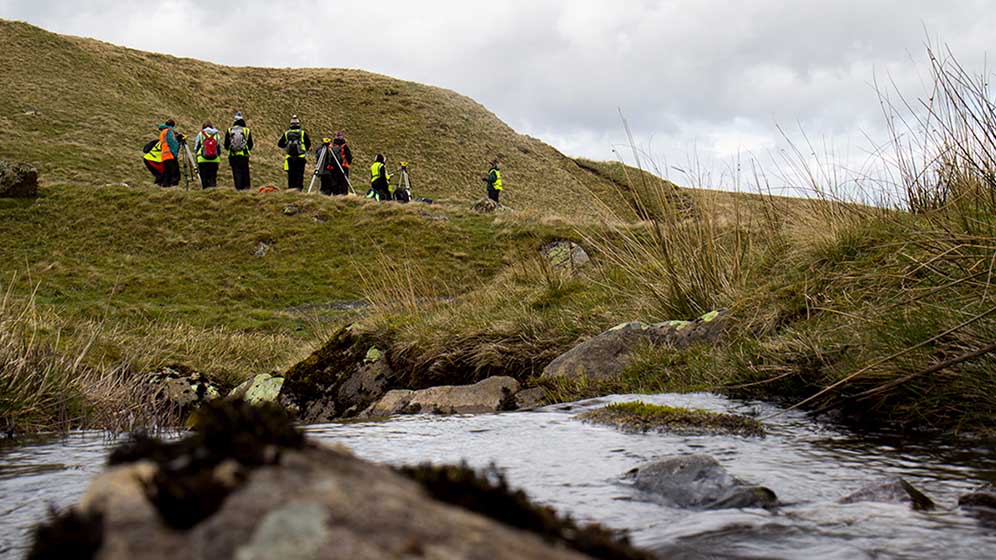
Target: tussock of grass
x=50 y=386
x=639 y=416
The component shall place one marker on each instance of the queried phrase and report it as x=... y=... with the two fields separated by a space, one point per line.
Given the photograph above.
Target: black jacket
x=228 y=135
x=340 y=147
x=282 y=143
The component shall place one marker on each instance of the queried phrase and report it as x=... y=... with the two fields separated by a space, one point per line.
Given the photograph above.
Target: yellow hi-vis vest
x=156 y=153
x=375 y=171
x=497 y=183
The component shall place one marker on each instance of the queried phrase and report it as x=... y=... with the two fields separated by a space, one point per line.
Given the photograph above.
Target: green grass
x=880 y=316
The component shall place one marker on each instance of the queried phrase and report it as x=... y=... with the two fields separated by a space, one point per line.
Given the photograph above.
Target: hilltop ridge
x=80 y=110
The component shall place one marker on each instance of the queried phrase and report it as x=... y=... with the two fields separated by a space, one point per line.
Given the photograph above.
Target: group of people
x=333 y=160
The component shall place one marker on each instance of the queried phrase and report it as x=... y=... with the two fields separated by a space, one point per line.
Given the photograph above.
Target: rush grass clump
x=639 y=416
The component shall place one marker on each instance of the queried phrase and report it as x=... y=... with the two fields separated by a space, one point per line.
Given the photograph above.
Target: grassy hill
x=881 y=316
x=80 y=110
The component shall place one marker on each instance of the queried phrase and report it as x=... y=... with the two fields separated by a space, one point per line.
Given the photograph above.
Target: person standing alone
x=494 y=181
x=296 y=144
x=238 y=142
x=207 y=146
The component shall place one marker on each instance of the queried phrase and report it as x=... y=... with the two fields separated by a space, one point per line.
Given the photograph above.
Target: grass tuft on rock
x=638 y=416
x=189 y=485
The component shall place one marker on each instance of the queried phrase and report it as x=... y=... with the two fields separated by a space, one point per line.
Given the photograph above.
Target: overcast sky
x=713 y=77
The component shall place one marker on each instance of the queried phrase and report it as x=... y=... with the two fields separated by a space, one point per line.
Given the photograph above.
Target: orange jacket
x=167 y=152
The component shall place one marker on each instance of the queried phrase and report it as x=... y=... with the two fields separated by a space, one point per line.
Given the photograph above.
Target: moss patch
x=639 y=416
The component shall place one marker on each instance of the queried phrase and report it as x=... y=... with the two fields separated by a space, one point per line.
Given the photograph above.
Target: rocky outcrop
x=18 y=180
x=341 y=379
x=250 y=487
x=182 y=387
x=605 y=356
x=699 y=482
x=566 y=255
x=891 y=491
x=491 y=395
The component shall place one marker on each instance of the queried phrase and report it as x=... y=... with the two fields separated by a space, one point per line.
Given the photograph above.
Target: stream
x=578 y=469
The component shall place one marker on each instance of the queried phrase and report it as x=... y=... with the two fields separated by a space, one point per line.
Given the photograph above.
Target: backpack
x=209 y=148
x=238 y=140
x=294 y=139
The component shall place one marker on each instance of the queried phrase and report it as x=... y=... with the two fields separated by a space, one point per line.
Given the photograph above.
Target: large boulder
x=699 y=482
x=605 y=356
x=491 y=395
x=249 y=487
x=891 y=491
x=340 y=379
x=18 y=180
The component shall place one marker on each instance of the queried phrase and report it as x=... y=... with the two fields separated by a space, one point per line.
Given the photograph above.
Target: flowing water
x=578 y=468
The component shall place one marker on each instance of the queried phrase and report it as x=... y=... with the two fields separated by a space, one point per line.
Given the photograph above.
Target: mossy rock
x=639 y=416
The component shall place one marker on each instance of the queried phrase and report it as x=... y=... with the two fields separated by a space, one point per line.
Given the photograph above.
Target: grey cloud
x=715 y=73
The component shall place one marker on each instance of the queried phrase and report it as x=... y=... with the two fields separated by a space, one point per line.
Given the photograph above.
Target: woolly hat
x=238 y=116
x=295 y=120
x=340 y=135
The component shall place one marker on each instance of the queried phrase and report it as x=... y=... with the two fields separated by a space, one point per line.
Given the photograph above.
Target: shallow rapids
x=578 y=468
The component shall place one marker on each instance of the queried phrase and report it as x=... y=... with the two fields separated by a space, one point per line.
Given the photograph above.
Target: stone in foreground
x=250 y=487
x=891 y=491
x=699 y=482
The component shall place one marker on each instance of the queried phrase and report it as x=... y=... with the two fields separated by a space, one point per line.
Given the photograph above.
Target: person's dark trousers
x=339 y=185
x=209 y=174
x=171 y=173
x=327 y=185
x=295 y=172
x=380 y=186
x=240 y=172
x=493 y=194
x=157 y=173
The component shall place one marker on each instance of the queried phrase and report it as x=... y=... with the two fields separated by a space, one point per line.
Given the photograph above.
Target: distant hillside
x=80 y=110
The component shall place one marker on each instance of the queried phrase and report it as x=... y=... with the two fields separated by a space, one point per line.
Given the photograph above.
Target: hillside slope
x=80 y=110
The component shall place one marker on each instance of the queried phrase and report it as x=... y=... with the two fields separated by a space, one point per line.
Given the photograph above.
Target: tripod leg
x=318 y=169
